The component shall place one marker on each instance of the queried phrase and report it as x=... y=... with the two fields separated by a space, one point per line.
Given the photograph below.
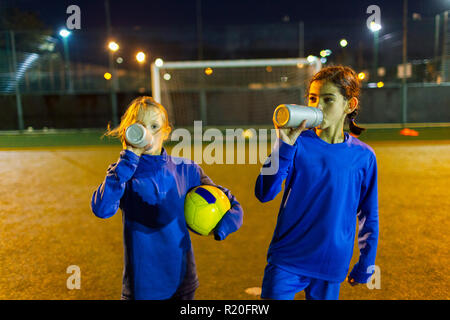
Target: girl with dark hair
x=346 y=80
x=331 y=178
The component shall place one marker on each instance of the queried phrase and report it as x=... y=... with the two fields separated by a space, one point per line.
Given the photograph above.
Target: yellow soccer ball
x=204 y=207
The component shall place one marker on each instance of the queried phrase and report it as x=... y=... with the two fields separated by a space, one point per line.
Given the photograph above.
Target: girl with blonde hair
x=149 y=187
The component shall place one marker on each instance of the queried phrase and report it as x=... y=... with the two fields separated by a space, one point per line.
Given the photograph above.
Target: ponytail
x=353 y=127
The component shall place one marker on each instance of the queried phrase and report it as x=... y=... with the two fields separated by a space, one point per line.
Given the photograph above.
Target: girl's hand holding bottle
x=290 y=135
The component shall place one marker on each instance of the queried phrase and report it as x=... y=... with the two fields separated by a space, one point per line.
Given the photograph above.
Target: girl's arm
x=368 y=226
x=233 y=218
x=274 y=171
x=106 y=199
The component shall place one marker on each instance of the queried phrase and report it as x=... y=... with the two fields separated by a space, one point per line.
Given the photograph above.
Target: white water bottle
x=292 y=115
x=138 y=136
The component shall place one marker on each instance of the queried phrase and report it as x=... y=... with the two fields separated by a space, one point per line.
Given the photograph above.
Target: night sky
x=183 y=12
x=325 y=21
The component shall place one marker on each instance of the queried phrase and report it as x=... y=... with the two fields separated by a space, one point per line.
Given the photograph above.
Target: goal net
x=230 y=93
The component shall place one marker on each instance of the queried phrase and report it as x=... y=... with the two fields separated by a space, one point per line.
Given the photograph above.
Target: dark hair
x=346 y=79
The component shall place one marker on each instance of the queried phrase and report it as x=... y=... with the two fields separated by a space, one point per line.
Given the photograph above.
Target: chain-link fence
x=44 y=70
x=47 y=80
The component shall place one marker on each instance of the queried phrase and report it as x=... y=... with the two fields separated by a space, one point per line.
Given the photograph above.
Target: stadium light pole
x=404 y=58
x=375 y=28
x=405 y=130
x=444 y=48
x=64 y=34
x=436 y=39
x=113 y=47
x=16 y=83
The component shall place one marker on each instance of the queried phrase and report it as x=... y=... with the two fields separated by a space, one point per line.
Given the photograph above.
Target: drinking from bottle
x=292 y=115
x=138 y=136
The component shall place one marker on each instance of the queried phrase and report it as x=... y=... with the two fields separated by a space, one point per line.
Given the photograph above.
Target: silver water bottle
x=292 y=115
x=137 y=135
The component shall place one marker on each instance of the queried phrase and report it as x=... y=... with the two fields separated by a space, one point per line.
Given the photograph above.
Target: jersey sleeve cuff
x=360 y=276
x=126 y=166
x=129 y=156
x=285 y=150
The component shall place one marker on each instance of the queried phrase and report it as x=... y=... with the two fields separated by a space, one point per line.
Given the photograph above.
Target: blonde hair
x=143 y=103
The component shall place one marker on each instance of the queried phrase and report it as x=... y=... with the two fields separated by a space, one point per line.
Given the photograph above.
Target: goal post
x=230 y=92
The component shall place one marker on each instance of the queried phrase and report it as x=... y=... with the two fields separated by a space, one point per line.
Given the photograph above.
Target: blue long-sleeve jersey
x=150 y=191
x=327 y=186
